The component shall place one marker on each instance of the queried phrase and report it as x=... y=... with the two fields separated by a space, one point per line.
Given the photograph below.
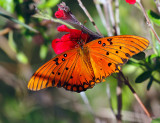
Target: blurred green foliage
x=28 y=45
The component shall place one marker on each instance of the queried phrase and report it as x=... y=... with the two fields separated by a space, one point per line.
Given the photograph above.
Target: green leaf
x=43 y=51
x=22 y=58
x=150 y=83
x=157 y=120
x=144 y=76
x=157 y=47
x=149 y=58
x=156 y=75
x=48 y=4
x=11 y=42
x=18 y=22
x=154 y=17
x=139 y=56
x=8 y=5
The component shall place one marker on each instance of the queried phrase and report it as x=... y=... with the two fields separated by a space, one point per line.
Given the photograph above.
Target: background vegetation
x=24 y=48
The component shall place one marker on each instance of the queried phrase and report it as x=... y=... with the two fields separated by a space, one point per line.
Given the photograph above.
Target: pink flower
x=69 y=40
x=131 y=1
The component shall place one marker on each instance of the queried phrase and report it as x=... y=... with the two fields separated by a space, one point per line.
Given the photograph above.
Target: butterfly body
x=80 y=68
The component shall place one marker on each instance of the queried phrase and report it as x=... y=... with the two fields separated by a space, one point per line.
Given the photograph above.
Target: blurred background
x=24 y=48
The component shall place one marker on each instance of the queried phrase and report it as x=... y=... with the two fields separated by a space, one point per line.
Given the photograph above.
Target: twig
x=157 y=4
x=109 y=29
x=148 y=21
x=108 y=91
x=119 y=99
x=111 y=15
x=117 y=21
x=89 y=16
x=18 y=22
x=85 y=99
x=5 y=31
x=99 y=10
x=135 y=95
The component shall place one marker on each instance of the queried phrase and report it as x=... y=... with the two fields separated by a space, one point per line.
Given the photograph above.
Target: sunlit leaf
x=154 y=17
x=43 y=51
x=11 y=41
x=22 y=58
x=149 y=58
x=8 y=5
x=48 y=4
x=156 y=75
x=144 y=76
x=157 y=47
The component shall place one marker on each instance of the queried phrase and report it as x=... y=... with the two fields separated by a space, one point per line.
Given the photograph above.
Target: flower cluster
x=69 y=40
x=73 y=37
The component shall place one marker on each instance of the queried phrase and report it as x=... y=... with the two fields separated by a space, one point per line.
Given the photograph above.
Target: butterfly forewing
x=108 y=54
x=44 y=76
x=118 y=48
x=67 y=70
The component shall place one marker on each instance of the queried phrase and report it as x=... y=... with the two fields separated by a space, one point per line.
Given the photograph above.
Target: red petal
x=60 y=46
x=59 y=14
x=131 y=1
x=63 y=28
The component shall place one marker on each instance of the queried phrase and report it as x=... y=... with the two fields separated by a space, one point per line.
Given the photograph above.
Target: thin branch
x=117 y=20
x=148 y=21
x=18 y=22
x=135 y=95
x=119 y=99
x=86 y=101
x=99 y=10
x=89 y=16
x=111 y=15
x=108 y=91
x=109 y=29
x=157 y=4
x=5 y=31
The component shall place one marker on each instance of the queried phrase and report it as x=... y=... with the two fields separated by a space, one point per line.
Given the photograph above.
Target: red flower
x=60 y=14
x=131 y=1
x=68 y=41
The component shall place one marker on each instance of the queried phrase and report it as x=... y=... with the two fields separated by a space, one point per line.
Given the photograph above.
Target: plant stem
x=148 y=21
x=86 y=101
x=89 y=16
x=99 y=10
x=108 y=91
x=157 y=4
x=119 y=99
x=106 y=11
x=135 y=95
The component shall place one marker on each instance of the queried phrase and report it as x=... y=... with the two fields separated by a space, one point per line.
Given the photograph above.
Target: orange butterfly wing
x=66 y=70
x=79 y=69
x=108 y=54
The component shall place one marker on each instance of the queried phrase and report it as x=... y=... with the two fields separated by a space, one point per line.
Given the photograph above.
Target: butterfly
x=80 y=68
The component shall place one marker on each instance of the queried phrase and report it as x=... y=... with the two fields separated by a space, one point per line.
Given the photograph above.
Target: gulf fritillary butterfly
x=80 y=68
